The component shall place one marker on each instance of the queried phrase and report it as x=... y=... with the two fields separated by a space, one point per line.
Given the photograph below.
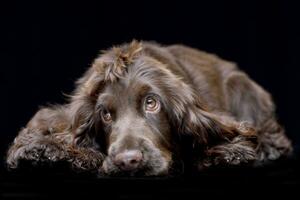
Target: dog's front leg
x=239 y=151
x=33 y=147
x=46 y=139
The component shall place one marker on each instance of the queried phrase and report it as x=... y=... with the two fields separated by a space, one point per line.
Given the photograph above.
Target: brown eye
x=151 y=104
x=106 y=116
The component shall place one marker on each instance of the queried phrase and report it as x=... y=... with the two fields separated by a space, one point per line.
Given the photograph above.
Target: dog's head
x=138 y=101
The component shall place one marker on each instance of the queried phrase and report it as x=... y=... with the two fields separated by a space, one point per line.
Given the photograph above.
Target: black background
x=46 y=45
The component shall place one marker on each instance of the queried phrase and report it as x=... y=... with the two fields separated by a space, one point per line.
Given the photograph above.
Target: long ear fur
x=189 y=114
x=82 y=108
x=110 y=66
x=209 y=128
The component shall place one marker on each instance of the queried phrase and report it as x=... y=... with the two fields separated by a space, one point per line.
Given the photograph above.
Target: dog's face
x=139 y=105
x=137 y=113
x=135 y=122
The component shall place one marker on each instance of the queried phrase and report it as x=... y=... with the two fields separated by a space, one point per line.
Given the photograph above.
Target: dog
x=141 y=104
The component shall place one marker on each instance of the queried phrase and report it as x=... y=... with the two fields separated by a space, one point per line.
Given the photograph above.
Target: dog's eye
x=151 y=104
x=106 y=116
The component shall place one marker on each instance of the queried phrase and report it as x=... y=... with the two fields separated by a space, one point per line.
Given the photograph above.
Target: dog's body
x=141 y=99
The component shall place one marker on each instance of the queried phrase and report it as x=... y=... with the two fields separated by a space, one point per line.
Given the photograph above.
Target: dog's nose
x=128 y=160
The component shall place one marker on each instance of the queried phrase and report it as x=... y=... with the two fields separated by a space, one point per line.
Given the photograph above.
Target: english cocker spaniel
x=142 y=107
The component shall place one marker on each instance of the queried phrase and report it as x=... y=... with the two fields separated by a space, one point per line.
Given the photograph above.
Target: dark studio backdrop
x=45 y=46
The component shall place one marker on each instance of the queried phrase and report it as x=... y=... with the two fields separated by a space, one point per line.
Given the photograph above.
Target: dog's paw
x=228 y=155
x=86 y=159
x=49 y=151
x=35 y=153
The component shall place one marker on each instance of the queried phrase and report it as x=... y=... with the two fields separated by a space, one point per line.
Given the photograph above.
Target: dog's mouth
x=152 y=164
x=175 y=167
x=113 y=171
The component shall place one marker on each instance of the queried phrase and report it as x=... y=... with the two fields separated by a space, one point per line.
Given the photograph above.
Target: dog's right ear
x=110 y=66
x=82 y=107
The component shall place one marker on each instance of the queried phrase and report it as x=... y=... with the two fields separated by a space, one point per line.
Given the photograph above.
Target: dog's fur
x=228 y=117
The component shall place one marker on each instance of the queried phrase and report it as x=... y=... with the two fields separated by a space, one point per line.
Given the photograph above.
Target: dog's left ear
x=190 y=115
x=208 y=127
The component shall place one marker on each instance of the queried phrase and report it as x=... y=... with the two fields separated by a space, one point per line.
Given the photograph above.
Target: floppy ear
x=192 y=118
x=82 y=108
x=209 y=128
x=189 y=114
x=109 y=67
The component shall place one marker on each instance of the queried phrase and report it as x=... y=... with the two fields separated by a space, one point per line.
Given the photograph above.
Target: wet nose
x=128 y=160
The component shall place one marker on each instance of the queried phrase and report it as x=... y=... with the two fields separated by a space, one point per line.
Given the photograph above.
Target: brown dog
x=141 y=99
